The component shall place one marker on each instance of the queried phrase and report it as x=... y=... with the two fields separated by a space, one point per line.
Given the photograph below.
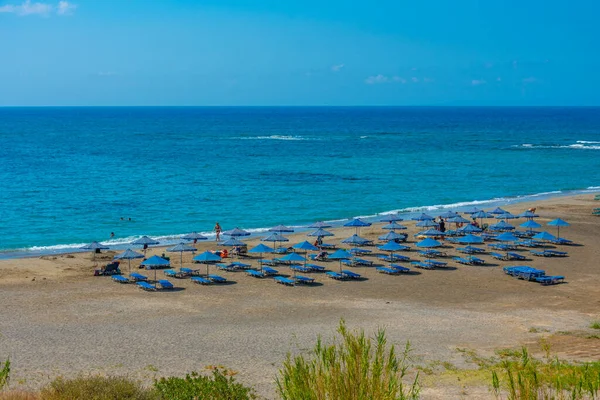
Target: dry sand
x=58 y=319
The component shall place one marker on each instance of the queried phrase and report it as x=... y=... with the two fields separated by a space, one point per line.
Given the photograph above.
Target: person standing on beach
x=218 y=231
x=442 y=225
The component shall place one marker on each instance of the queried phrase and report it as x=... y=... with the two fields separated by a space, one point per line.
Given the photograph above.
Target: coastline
x=258 y=232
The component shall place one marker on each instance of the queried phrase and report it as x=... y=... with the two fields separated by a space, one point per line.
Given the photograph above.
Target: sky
x=299 y=52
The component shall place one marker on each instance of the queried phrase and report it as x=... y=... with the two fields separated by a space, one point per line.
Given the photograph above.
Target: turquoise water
x=68 y=175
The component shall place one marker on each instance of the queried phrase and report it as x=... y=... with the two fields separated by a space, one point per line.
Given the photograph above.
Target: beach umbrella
x=194 y=236
x=470 y=239
x=306 y=246
x=155 y=262
x=391 y=235
x=355 y=240
x=459 y=220
x=275 y=237
x=506 y=237
x=281 y=229
x=340 y=255
x=528 y=214
x=180 y=248
x=449 y=214
x=392 y=246
x=481 y=215
x=426 y=223
x=320 y=233
x=431 y=232
x=357 y=223
x=501 y=226
x=232 y=242
x=506 y=215
x=319 y=225
x=261 y=248
x=545 y=236
x=392 y=226
x=293 y=257
x=498 y=210
x=145 y=241
x=471 y=210
x=530 y=225
x=128 y=255
x=429 y=243
x=236 y=232
x=207 y=258
x=423 y=217
x=558 y=223
x=470 y=228
x=93 y=247
x=391 y=218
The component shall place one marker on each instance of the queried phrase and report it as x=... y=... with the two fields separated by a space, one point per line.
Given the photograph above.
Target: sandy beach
x=58 y=319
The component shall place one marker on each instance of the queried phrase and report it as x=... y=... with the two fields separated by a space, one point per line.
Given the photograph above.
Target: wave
x=276 y=137
x=579 y=145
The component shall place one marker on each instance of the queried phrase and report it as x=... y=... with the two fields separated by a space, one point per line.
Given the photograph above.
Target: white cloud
x=44 y=9
x=65 y=8
x=478 y=82
x=337 y=68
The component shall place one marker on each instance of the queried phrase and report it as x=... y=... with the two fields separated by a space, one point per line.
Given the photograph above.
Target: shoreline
x=408 y=213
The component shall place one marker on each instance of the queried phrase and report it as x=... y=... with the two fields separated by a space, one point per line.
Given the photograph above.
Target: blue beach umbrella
x=423 y=217
x=498 y=210
x=281 y=229
x=428 y=244
x=195 y=236
x=426 y=223
x=449 y=214
x=393 y=226
x=261 y=248
x=431 y=232
x=306 y=246
x=128 y=255
x=94 y=246
x=501 y=226
x=506 y=215
x=357 y=223
x=470 y=228
x=391 y=235
x=293 y=257
x=319 y=225
x=320 y=233
x=470 y=239
x=528 y=214
x=180 y=248
x=506 y=237
x=145 y=241
x=392 y=218
x=340 y=255
x=155 y=262
x=530 y=225
x=355 y=240
x=275 y=238
x=471 y=210
x=236 y=232
x=390 y=247
x=481 y=215
x=232 y=242
x=545 y=236
x=558 y=223
x=207 y=258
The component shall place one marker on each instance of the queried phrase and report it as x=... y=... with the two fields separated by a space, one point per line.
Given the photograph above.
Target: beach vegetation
x=97 y=388
x=220 y=385
x=4 y=374
x=595 y=325
x=354 y=367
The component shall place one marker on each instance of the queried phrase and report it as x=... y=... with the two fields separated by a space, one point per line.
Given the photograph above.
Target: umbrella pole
x=130 y=266
x=180 y=259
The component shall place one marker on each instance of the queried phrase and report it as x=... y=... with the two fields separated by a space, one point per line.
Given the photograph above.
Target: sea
x=72 y=175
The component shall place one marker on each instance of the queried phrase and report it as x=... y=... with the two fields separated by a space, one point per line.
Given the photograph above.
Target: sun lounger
x=423 y=265
x=270 y=271
x=549 y=253
x=394 y=257
x=300 y=268
x=134 y=276
x=284 y=281
x=146 y=286
x=515 y=256
x=335 y=275
x=327 y=246
x=304 y=279
x=360 y=251
x=187 y=271
x=355 y=261
x=471 y=250
x=200 y=280
x=561 y=241
x=315 y=268
x=255 y=273
x=498 y=256
x=240 y=265
x=502 y=246
x=529 y=243
x=225 y=267
x=431 y=253
x=165 y=284
x=388 y=271
x=350 y=274
x=524 y=272
x=280 y=250
x=267 y=262
x=400 y=268
x=170 y=272
x=108 y=270
x=120 y=279
x=469 y=260
x=550 y=280
x=462 y=260
x=217 y=278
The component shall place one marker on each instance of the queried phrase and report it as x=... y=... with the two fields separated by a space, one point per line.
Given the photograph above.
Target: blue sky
x=274 y=52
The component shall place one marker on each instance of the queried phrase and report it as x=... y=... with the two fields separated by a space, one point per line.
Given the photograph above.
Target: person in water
x=218 y=231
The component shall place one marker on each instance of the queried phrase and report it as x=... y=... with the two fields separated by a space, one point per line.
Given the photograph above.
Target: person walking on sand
x=218 y=231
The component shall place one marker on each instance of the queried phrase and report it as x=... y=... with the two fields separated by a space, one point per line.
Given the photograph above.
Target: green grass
x=97 y=388
x=4 y=374
x=595 y=325
x=355 y=367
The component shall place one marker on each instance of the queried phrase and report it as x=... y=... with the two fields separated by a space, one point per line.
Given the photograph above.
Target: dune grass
x=595 y=325
x=4 y=374
x=354 y=368
x=97 y=388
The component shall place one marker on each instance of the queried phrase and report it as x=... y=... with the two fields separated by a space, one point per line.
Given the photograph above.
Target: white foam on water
x=587 y=142
x=276 y=137
x=580 y=145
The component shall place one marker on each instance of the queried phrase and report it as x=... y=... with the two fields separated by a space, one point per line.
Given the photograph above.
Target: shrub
x=528 y=378
x=96 y=388
x=4 y=374
x=595 y=325
x=356 y=368
x=220 y=386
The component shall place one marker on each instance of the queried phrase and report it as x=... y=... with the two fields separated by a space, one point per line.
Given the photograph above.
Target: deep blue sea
x=68 y=175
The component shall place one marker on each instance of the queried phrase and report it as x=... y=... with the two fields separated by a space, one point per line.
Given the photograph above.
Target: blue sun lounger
x=358 y=261
x=217 y=278
x=550 y=280
x=471 y=250
x=327 y=246
x=394 y=257
x=240 y=265
x=499 y=256
x=561 y=241
x=388 y=271
x=529 y=243
x=335 y=275
x=315 y=268
x=134 y=276
x=431 y=253
x=165 y=284
x=120 y=279
x=171 y=272
x=284 y=281
x=200 y=280
x=146 y=286
x=524 y=272
x=188 y=271
x=304 y=279
x=270 y=271
x=400 y=268
x=350 y=274
x=299 y=268
x=255 y=273
x=423 y=265
x=267 y=261
x=549 y=253
x=502 y=246
x=358 y=251
x=226 y=267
